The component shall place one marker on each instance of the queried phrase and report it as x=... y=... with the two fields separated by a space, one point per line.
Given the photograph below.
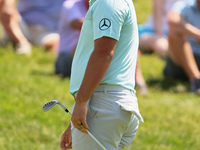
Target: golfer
x=102 y=78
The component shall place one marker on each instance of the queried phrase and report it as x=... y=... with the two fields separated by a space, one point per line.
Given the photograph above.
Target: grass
x=26 y=84
x=170 y=112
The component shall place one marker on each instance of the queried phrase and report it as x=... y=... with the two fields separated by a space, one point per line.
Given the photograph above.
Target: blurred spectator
x=153 y=33
x=32 y=22
x=184 y=43
x=71 y=19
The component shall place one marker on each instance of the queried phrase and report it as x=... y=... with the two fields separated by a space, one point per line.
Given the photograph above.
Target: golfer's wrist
x=81 y=101
x=80 y=98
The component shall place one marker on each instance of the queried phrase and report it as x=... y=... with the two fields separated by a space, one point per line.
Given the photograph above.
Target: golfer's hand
x=66 y=139
x=79 y=116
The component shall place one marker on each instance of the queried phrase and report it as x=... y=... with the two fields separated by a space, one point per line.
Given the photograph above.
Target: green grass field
x=170 y=112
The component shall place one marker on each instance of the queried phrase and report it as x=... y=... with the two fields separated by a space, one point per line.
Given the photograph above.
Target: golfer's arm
x=97 y=67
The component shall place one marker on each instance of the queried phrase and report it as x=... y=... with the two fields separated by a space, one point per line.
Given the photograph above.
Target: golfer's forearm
x=95 y=71
x=69 y=127
x=97 y=67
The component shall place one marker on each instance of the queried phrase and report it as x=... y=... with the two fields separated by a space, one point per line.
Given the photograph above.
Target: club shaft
x=90 y=134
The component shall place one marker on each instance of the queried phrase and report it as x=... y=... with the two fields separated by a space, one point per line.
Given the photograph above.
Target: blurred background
x=171 y=113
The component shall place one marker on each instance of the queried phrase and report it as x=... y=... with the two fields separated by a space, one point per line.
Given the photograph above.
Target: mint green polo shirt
x=115 y=19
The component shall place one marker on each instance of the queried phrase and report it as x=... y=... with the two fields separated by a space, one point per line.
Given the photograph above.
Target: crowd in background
x=172 y=31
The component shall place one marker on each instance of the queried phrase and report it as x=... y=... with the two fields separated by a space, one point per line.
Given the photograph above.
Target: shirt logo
x=104 y=24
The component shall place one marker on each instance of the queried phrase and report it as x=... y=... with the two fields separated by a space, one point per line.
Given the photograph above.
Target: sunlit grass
x=170 y=112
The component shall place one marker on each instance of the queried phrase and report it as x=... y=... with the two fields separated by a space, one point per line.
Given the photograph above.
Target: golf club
x=52 y=103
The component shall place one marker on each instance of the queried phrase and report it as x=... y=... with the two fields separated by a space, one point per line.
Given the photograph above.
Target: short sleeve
x=107 y=20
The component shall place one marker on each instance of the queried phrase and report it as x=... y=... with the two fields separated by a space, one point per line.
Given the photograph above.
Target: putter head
x=49 y=105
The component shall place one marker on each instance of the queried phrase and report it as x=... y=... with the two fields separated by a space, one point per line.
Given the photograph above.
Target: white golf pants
x=113 y=118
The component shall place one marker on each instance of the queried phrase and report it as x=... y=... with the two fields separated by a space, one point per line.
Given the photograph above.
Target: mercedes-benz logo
x=104 y=24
